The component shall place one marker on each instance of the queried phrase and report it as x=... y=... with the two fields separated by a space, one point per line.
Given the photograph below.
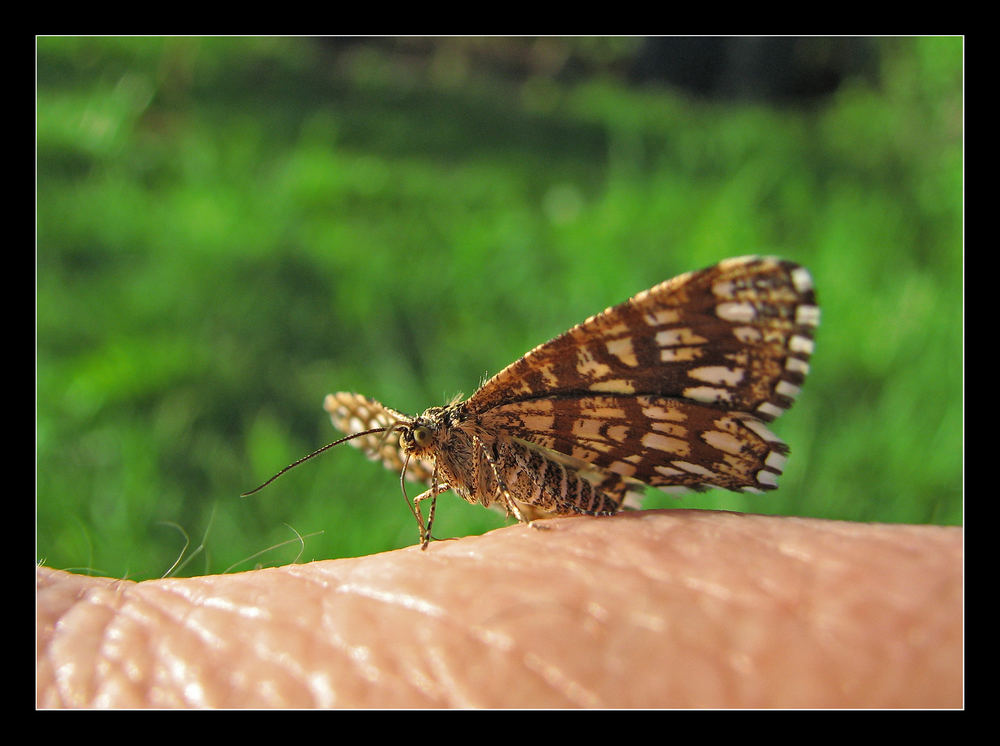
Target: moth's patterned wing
x=670 y=388
x=658 y=441
x=353 y=413
x=736 y=336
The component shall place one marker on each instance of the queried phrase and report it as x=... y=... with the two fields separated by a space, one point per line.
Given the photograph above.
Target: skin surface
x=647 y=609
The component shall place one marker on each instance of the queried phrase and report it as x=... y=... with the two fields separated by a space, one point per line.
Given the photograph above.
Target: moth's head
x=420 y=436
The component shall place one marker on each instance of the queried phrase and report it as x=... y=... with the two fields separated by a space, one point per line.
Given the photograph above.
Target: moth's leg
x=431 y=494
x=414 y=506
x=509 y=503
x=434 y=502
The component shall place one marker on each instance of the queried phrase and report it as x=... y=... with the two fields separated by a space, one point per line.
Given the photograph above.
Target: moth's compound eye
x=422 y=436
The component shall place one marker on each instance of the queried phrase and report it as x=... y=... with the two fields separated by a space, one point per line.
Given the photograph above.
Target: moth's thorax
x=437 y=429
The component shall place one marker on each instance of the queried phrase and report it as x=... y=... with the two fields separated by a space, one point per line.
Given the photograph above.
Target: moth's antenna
x=317 y=452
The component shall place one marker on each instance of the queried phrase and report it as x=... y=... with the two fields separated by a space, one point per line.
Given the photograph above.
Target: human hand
x=647 y=609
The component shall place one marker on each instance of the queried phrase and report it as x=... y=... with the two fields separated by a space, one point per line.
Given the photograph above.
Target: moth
x=671 y=389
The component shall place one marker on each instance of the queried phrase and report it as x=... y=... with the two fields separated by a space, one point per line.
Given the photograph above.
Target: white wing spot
x=706 y=394
x=795 y=365
x=768 y=478
x=694 y=469
x=675 y=337
x=622 y=349
x=725 y=442
x=587 y=366
x=787 y=389
x=801 y=279
x=669 y=472
x=771 y=410
x=760 y=429
x=661 y=316
x=720 y=375
x=737 y=313
x=614 y=386
x=807 y=315
x=618 y=432
x=657 y=412
x=747 y=334
x=538 y=422
x=776 y=461
x=800 y=344
x=620 y=467
x=663 y=443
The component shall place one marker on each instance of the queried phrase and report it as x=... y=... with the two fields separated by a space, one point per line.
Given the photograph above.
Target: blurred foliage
x=230 y=228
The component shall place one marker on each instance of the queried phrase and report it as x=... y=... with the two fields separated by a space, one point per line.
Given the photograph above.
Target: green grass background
x=229 y=229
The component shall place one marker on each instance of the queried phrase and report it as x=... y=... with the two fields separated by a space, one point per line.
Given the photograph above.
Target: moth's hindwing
x=654 y=440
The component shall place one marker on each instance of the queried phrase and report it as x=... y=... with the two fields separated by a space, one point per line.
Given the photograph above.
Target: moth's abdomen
x=534 y=479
